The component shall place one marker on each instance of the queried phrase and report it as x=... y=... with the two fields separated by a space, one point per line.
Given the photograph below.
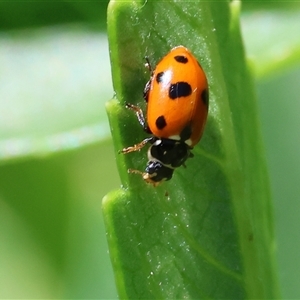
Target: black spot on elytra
x=161 y=122
x=204 y=97
x=181 y=59
x=179 y=89
x=186 y=133
x=159 y=77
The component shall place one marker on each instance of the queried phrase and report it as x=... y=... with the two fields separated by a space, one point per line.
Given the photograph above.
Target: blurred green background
x=57 y=157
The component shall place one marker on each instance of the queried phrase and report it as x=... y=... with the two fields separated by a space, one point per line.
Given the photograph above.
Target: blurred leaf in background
x=271 y=34
x=57 y=157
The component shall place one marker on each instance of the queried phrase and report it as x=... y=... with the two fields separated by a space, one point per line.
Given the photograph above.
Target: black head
x=156 y=172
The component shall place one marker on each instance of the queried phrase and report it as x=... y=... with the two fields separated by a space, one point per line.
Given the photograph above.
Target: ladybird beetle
x=177 y=107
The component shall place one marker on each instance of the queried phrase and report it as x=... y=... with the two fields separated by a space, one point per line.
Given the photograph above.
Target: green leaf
x=207 y=233
x=44 y=13
x=52 y=83
x=272 y=40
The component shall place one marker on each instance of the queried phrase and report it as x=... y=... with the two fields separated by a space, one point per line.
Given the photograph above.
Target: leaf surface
x=207 y=232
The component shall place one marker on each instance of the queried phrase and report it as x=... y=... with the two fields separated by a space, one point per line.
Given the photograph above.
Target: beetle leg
x=140 y=116
x=138 y=146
